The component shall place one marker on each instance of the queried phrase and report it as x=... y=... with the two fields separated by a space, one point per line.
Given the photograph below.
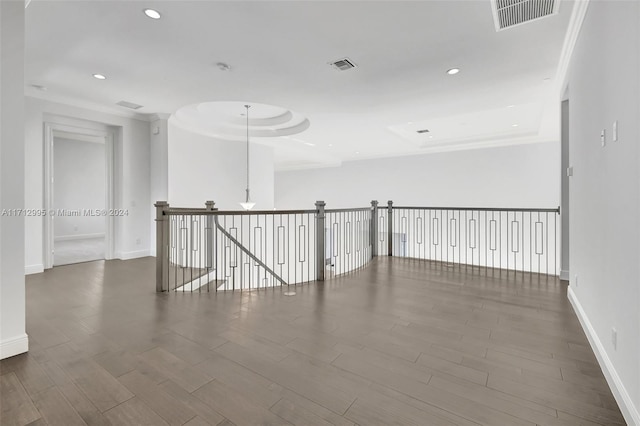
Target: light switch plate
x=570 y=171
x=603 y=137
x=615 y=131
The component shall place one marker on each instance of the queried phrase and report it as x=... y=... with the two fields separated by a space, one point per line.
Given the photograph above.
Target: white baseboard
x=629 y=410
x=564 y=275
x=15 y=346
x=128 y=255
x=77 y=237
x=33 y=269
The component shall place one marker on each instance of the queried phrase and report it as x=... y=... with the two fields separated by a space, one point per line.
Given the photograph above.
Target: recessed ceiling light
x=453 y=71
x=99 y=76
x=330 y=145
x=514 y=125
x=511 y=106
x=357 y=152
x=310 y=144
x=430 y=137
x=410 y=122
x=152 y=13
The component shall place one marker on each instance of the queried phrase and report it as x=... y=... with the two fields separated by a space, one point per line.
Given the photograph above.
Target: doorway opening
x=78 y=194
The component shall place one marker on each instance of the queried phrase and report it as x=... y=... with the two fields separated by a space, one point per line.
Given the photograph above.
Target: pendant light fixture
x=248 y=204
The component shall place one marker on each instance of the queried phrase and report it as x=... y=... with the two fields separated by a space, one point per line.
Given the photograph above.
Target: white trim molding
x=159 y=116
x=15 y=346
x=627 y=406
x=34 y=269
x=128 y=255
x=78 y=237
x=564 y=275
x=51 y=130
x=570 y=40
x=77 y=103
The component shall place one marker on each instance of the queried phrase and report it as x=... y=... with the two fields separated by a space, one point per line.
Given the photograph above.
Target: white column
x=13 y=337
x=159 y=167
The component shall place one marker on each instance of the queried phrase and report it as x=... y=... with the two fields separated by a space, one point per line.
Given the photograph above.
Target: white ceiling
x=279 y=54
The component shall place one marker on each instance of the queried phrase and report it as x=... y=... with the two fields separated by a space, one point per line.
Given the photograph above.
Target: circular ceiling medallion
x=227 y=120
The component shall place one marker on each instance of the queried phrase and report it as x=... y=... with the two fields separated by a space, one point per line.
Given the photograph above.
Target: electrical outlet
x=603 y=137
x=614 y=135
x=614 y=338
x=575 y=280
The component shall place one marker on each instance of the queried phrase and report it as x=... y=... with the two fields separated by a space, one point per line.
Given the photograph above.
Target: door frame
x=51 y=130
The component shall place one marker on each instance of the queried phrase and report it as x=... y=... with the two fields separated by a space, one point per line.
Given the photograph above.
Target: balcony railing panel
x=347 y=240
x=208 y=250
x=510 y=239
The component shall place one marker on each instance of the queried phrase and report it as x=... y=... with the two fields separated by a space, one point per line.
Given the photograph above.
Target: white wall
x=514 y=176
x=203 y=168
x=605 y=192
x=131 y=175
x=13 y=338
x=79 y=183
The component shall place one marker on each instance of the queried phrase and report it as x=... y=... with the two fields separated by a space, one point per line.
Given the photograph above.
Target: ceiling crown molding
x=573 y=31
x=88 y=105
x=158 y=116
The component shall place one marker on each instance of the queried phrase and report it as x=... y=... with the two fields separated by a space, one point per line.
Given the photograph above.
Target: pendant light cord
x=247 y=107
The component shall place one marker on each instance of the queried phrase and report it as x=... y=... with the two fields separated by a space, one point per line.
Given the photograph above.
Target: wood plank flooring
x=400 y=342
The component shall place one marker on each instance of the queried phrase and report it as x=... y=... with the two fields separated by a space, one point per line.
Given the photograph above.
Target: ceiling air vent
x=129 y=105
x=509 y=13
x=343 y=64
x=422 y=131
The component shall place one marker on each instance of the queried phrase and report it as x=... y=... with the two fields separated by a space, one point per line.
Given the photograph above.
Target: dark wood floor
x=399 y=342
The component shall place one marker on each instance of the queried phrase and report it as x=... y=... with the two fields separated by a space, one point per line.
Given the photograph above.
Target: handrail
x=484 y=209
x=204 y=212
x=248 y=253
x=359 y=209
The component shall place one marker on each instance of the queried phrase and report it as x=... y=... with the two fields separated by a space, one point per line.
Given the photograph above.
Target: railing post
x=162 y=246
x=209 y=248
x=320 y=243
x=374 y=228
x=390 y=227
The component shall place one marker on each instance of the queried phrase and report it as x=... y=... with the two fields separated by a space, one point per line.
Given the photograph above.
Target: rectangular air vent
x=422 y=131
x=343 y=64
x=129 y=105
x=509 y=13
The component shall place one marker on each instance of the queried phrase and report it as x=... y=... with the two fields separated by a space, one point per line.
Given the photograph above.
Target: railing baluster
x=390 y=228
